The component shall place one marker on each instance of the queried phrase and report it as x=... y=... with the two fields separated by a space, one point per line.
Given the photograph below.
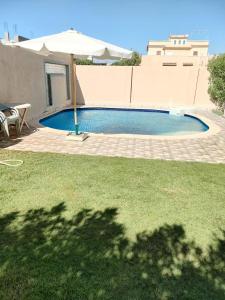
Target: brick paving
x=205 y=149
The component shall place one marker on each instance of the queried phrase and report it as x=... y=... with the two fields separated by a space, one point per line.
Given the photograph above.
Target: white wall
x=22 y=79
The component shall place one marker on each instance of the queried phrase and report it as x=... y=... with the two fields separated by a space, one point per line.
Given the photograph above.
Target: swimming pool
x=126 y=121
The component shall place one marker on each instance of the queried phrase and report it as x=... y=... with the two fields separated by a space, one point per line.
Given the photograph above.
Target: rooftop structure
x=178 y=45
x=8 y=41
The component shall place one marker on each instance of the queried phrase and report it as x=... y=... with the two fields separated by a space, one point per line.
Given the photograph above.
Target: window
x=63 y=71
x=169 y=64
x=158 y=52
x=184 y=42
x=174 y=42
x=195 y=53
x=187 y=64
x=49 y=88
x=179 y=42
x=51 y=68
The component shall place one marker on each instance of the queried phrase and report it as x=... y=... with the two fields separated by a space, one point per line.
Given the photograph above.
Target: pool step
x=176 y=112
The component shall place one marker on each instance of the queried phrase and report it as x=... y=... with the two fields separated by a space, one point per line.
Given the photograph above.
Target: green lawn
x=80 y=227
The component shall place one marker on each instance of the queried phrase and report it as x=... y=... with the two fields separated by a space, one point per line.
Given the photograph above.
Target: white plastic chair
x=8 y=117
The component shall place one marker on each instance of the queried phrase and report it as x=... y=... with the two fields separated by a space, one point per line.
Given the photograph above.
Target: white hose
x=11 y=162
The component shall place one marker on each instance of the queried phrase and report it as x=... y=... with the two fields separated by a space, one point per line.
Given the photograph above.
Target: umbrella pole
x=74 y=100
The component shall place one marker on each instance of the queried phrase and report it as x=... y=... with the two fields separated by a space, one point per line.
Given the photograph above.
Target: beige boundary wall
x=23 y=79
x=103 y=85
x=153 y=84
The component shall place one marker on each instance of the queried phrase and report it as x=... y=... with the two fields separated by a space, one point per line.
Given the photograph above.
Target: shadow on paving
x=47 y=256
x=14 y=139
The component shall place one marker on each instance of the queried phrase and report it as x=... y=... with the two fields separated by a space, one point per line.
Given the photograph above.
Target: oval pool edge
x=212 y=127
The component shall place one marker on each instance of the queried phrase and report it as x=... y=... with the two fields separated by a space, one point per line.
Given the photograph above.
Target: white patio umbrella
x=77 y=45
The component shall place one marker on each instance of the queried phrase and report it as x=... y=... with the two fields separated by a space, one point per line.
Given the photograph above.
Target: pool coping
x=213 y=128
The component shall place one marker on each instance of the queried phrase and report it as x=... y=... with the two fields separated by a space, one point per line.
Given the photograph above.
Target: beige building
x=178 y=45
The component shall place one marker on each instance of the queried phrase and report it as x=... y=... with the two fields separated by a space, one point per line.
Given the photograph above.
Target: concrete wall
x=153 y=84
x=102 y=85
x=165 y=86
x=22 y=79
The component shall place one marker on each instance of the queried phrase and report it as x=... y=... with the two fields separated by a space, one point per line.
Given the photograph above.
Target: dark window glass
x=49 y=84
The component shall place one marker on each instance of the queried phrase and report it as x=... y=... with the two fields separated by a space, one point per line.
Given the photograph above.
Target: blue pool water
x=129 y=121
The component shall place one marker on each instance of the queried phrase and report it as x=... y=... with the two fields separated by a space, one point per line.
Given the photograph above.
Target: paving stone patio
x=204 y=149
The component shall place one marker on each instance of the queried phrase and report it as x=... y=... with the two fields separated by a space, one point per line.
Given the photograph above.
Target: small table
x=22 y=108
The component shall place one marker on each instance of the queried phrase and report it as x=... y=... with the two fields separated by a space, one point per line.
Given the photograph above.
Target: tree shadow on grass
x=44 y=255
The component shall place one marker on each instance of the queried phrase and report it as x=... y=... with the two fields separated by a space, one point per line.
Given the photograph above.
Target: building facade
x=178 y=45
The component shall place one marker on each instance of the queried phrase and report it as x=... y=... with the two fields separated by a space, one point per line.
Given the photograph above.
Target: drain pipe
x=196 y=85
x=131 y=83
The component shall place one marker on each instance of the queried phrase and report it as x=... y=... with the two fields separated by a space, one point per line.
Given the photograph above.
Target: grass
x=80 y=227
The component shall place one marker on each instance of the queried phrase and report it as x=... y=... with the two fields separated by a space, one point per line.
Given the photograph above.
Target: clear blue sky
x=127 y=23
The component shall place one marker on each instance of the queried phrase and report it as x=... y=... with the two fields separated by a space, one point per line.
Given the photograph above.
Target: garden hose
x=11 y=162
